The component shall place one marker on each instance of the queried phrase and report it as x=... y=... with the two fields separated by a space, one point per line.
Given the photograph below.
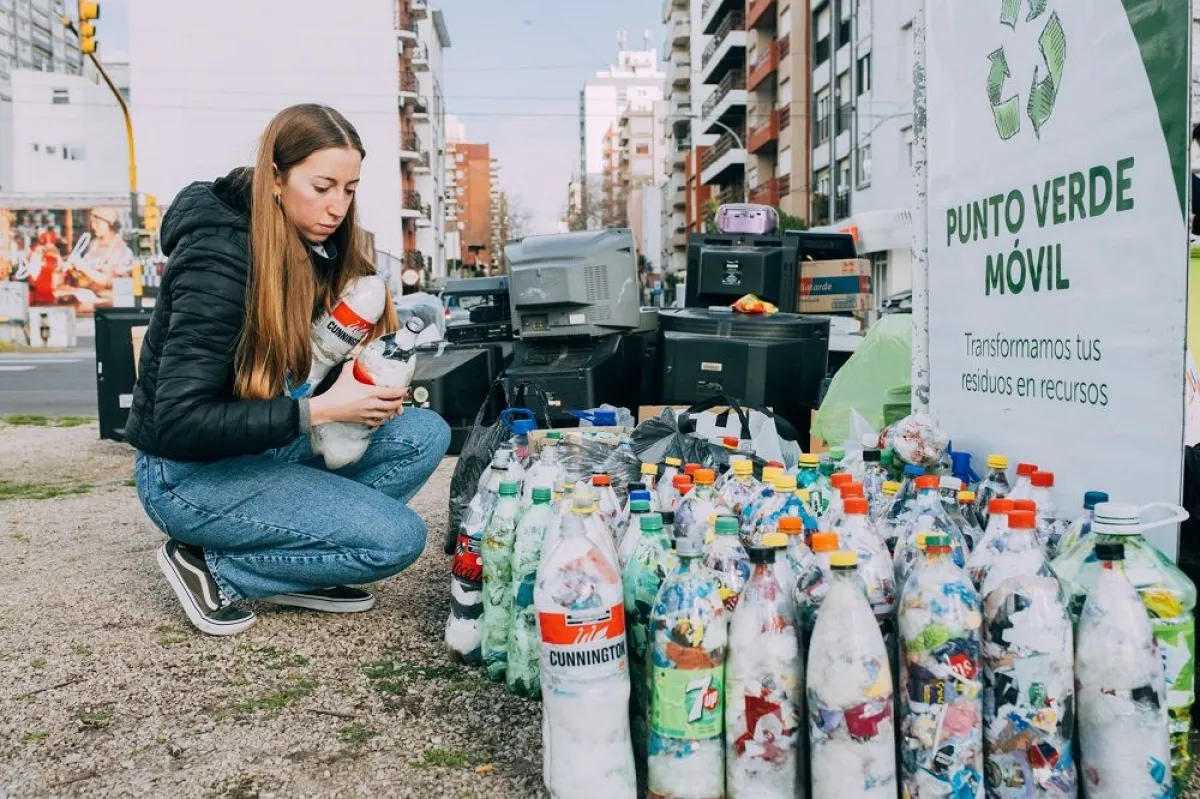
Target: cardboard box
x=830 y=303
x=835 y=286
x=847 y=267
x=824 y=286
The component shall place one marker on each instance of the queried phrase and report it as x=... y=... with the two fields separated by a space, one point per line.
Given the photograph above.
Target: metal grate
x=595 y=280
x=599 y=313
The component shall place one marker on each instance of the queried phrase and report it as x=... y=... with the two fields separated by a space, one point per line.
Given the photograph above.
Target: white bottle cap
x=1117 y=518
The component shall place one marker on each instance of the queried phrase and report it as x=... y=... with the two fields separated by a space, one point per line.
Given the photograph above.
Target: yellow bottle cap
x=785 y=482
x=743 y=467
x=673 y=461
x=803 y=494
x=966 y=496
x=649 y=468
x=843 y=559
x=921 y=539
x=769 y=473
x=891 y=487
x=997 y=461
x=774 y=540
x=810 y=460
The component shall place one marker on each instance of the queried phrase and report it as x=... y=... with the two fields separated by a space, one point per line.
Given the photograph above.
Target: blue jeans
x=280 y=522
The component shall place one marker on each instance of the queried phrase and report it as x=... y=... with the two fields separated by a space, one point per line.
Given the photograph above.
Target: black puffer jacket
x=183 y=405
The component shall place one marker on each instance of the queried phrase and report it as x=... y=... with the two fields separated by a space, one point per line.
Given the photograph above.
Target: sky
x=512 y=76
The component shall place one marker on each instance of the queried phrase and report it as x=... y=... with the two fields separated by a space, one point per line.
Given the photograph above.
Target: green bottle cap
x=651 y=522
x=541 y=495
x=508 y=489
x=639 y=506
x=727 y=525
x=554 y=435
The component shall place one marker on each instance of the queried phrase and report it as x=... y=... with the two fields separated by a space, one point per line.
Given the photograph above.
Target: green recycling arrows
x=1044 y=91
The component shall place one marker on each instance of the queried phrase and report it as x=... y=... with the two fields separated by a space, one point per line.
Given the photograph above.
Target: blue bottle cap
x=634 y=496
x=913 y=471
x=524 y=426
x=604 y=418
x=1093 y=498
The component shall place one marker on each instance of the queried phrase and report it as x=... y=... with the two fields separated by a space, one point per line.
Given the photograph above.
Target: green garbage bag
x=876 y=381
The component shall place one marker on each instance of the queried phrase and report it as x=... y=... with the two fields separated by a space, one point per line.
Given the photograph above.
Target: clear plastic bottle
x=608 y=507
x=523 y=670
x=994 y=485
x=1123 y=732
x=691 y=515
x=503 y=467
x=821 y=492
x=1023 y=487
x=545 y=472
x=763 y=689
x=726 y=556
x=339 y=330
x=1082 y=526
x=964 y=516
x=941 y=738
x=671 y=467
x=689 y=629
x=795 y=559
x=1168 y=594
x=836 y=515
x=948 y=488
x=886 y=493
x=637 y=492
x=813 y=583
x=499 y=534
x=874 y=568
x=994 y=541
x=668 y=520
x=650 y=481
x=900 y=510
x=681 y=485
x=1028 y=657
x=762 y=516
x=741 y=488
x=633 y=533
x=873 y=478
x=521 y=428
x=584 y=670
x=464 y=627
x=851 y=728
x=1050 y=528
x=928 y=516
x=648 y=566
x=561 y=510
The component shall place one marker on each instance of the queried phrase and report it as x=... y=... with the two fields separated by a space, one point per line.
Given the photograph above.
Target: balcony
x=671 y=5
x=680 y=29
x=841 y=204
x=764 y=135
x=766 y=65
x=410 y=205
x=409 y=88
x=757 y=14
x=420 y=107
x=726 y=51
x=723 y=162
x=421 y=167
x=406 y=29
x=420 y=58
x=713 y=12
x=419 y=9
x=766 y=193
x=727 y=106
x=785 y=117
x=785 y=45
x=426 y=217
x=681 y=74
x=410 y=147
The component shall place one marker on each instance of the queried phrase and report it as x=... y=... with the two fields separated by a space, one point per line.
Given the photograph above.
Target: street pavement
x=49 y=383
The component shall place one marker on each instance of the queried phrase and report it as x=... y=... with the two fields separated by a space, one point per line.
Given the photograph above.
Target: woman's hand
x=348 y=400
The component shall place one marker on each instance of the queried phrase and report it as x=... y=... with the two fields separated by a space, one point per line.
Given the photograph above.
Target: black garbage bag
x=660 y=437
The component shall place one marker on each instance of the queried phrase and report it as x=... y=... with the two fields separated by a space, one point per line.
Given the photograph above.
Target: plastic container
x=1050 y=528
x=522 y=673
x=521 y=428
x=764 y=685
x=608 y=507
x=584 y=670
x=994 y=541
x=1123 y=730
x=691 y=515
x=901 y=508
x=633 y=533
x=1082 y=526
x=874 y=564
x=994 y=485
x=762 y=515
x=886 y=493
x=499 y=535
x=1028 y=656
x=681 y=485
x=964 y=516
x=1023 y=487
x=689 y=631
x=726 y=556
x=671 y=467
x=741 y=488
x=851 y=728
x=338 y=331
x=464 y=627
x=941 y=737
x=543 y=472
x=795 y=559
x=649 y=473
x=1168 y=594
x=928 y=516
x=874 y=475
x=813 y=582
x=843 y=487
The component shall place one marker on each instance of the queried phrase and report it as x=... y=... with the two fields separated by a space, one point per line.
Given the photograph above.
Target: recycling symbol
x=1040 y=105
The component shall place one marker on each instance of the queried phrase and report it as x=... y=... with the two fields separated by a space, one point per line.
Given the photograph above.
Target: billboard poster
x=1058 y=145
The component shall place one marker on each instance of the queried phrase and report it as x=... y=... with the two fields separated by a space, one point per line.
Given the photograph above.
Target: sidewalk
x=105 y=688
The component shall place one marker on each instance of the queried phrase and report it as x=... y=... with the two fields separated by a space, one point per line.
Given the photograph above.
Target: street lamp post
x=736 y=140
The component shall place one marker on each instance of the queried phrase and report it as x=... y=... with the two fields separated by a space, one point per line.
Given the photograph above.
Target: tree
x=789 y=222
x=520 y=218
x=590 y=213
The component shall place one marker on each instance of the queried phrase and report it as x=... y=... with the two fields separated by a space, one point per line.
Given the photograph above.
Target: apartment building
x=472 y=181
x=429 y=136
x=31 y=37
x=499 y=222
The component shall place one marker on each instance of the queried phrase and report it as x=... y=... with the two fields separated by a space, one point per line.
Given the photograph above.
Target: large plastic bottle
x=741 y=488
x=795 y=558
x=1050 y=528
x=543 y=472
x=690 y=636
x=1168 y=594
x=691 y=515
x=948 y=488
x=1028 y=657
x=681 y=485
x=1023 y=487
x=764 y=687
x=873 y=478
x=1123 y=738
x=964 y=516
x=900 y=510
x=994 y=485
x=608 y=507
x=503 y=467
x=813 y=584
x=464 y=627
x=522 y=673
x=671 y=467
x=584 y=512
x=633 y=533
x=726 y=556
x=649 y=564
x=499 y=534
x=874 y=565
x=1082 y=526
x=338 y=331
x=941 y=740
x=584 y=670
x=762 y=515
x=851 y=728
x=994 y=541
x=649 y=473
x=886 y=494
x=928 y=515
x=521 y=428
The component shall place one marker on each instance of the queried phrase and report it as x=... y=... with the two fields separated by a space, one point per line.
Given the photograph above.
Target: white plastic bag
x=763 y=434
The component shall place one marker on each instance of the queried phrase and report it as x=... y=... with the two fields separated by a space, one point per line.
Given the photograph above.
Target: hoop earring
x=278 y=201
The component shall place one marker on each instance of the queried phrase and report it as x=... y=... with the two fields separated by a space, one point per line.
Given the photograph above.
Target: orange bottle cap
x=1022 y=520
x=824 y=542
x=856 y=506
x=1000 y=506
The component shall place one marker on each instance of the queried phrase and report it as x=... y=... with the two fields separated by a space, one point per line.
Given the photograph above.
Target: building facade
x=31 y=37
x=433 y=37
x=472 y=181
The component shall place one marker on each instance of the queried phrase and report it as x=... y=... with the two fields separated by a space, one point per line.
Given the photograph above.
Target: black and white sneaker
x=339 y=599
x=206 y=607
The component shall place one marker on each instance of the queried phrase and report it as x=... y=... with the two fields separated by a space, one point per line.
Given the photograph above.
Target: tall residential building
x=500 y=231
x=455 y=133
x=429 y=120
x=723 y=114
x=473 y=203
x=635 y=169
x=31 y=37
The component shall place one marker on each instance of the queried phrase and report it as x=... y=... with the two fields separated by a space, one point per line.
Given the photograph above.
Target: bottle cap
x=1022 y=520
x=672 y=461
x=727 y=525
x=852 y=490
x=650 y=468
x=631 y=487
x=651 y=522
x=997 y=461
x=913 y=471
x=769 y=473
x=688 y=547
x=730 y=441
x=582 y=502
x=541 y=495
x=843 y=560
x=803 y=494
x=856 y=506
x=668 y=516
x=743 y=467
x=950 y=483
x=1110 y=550
x=927 y=482
x=890 y=487
x=790 y=525
x=523 y=427
x=810 y=460
x=935 y=540
x=785 y=482
x=501 y=456
x=871 y=456
x=887 y=457
x=1042 y=479
x=681 y=481
x=1000 y=506
x=777 y=540
x=824 y=542
x=1117 y=518
x=554 y=435
x=966 y=497
x=776 y=464
x=640 y=493
x=921 y=540
x=639 y=506
x=508 y=489
x=1093 y=498
x=837 y=453
x=601 y=480
x=704 y=476
x=691 y=468
x=840 y=479
x=1024 y=504
x=763 y=554
x=1024 y=469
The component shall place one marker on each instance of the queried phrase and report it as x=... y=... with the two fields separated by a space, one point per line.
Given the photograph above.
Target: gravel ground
x=105 y=689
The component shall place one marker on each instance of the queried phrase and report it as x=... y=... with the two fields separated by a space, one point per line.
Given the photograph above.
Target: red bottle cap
x=856 y=506
x=1024 y=504
x=1043 y=479
x=704 y=476
x=840 y=479
x=1026 y=469
x=1022 y=520
x=1000 y=506
x=690 y=468
x=928 y=481
x=601 y=480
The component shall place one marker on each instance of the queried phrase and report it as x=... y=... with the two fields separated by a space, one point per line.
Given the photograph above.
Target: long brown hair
x=285 y=293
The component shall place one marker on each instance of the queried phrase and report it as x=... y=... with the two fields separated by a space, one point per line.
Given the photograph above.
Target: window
x=821 y=118
x=907 y=136
x=864 y=74
x=642 y=149
x=864 y=165
x=844 y=106
x=820 y=198
x=821 y=31
x=845 y=16
x=879 y=274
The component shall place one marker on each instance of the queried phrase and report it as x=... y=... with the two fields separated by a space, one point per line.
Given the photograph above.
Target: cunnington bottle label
x=584 y=644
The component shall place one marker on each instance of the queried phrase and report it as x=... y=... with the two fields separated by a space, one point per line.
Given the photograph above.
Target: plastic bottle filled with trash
x=994 y=485
x=633 y=533
x=948 y=488
x=873 y=478
x=689 y=631
x=833 y=508
x=650 y=563
x=901 y=509
x=338 y=331
x=499 y=535
x=584 y=669
x=649 y=473
x=1028 y=683
x=964 y=516
x=1168 y=594
x=523 y=656
x=668 y=519
x=927 y=516
x=1023 y=487
x=726 y=556
x=691 y=516
x=503 y=467
x=808 y=470
x=464 y=627
x=1082 y=526
x=763 y=515
x=681 y=486
x=874 y=564
x=821 y=493
x=690 y=470
x=543 y=473
x=594 y=529
x=608 y=507
x=794 y=560
x=941 y=742
x=887 y=493
x=1049 y=527
x=670 y=468
x=1123 y=731
x=994 y=541
x=764 y=685
x=813 y=583
x=561 y=510
x=741 y=489
x=521 y=428
x=851 y=728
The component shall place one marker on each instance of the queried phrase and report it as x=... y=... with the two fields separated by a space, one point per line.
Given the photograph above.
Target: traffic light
x=88 y=11
x=151 y=216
